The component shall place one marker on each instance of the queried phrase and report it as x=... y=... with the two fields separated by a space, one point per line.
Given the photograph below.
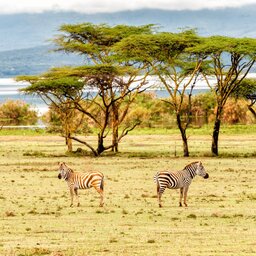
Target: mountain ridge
x=21 y=34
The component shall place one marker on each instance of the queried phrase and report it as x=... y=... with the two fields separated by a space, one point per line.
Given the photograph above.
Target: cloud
x=97 y=6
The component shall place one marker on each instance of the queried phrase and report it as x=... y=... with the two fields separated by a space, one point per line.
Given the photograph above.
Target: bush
x=17 y=112
x=72 y=120
x=236 y=112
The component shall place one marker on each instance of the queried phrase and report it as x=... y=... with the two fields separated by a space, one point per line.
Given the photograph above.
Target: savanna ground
x=36 y=218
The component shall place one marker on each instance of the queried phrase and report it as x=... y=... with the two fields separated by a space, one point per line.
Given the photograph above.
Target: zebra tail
x=156 y=178
x=102 y=184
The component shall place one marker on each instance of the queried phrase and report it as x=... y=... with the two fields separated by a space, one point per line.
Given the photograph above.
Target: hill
x=24 y=38
x=34 y=60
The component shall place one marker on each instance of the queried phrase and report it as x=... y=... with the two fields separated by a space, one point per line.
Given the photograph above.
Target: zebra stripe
x=180 y=179
x=76 y=180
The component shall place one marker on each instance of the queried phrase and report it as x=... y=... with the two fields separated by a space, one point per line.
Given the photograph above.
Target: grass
x=36 y=218
x=204 y=130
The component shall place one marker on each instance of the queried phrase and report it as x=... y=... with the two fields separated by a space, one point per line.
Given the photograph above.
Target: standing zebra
x=180 y=179
x=76 y=180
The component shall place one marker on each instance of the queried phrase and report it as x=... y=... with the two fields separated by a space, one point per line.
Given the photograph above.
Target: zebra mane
x=196 y=162
x=68 y=168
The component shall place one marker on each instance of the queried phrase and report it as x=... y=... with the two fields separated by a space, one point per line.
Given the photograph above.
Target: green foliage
x=215 y=45
x=245 y=88
x=57 y=121
x=157 y=47
x=116 y=55
x=49 y=83
x=153 y=111
x=17 y=112
x=95 y=41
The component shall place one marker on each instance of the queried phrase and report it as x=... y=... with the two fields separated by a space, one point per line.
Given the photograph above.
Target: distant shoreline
x=9 y=89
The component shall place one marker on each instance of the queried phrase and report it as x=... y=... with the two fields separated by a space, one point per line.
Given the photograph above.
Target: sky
x=97 y=6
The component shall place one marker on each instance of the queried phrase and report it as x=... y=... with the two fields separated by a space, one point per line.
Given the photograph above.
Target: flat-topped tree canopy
x=62 y=80
x=166 y=55
x=219 y=44
x=95 y=41
x=62 y=85
x=163 y=46
x=230 y=60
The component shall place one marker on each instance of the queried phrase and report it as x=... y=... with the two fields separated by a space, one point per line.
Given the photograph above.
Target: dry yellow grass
x=36 y=218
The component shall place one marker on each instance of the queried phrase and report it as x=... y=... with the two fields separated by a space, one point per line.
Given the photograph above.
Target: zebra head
x=200 y=171
x=63 y=171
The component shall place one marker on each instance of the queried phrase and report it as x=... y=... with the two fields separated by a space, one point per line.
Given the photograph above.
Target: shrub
x=17 y=112
x=235 y=111
x=72 y=120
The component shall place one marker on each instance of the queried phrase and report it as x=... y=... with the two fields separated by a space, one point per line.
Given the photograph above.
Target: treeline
x=118 y=63
x=149 y=110
x=153 y=112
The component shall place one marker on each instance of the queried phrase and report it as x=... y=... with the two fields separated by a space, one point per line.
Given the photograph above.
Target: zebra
x=180 y=179
x=76 y=180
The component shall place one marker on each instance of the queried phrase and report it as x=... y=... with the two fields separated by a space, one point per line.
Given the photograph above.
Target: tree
x=108 y=106
x=229 y=61
x=95 y=43
x=104 y=89
x=53 y=91
x=170 y=56
x=247 y=90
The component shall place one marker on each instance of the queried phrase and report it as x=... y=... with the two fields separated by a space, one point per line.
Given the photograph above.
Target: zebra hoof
x=180 y=205
x=160 y=206
x=101 y=205
x=186 y=205
x=78 y=204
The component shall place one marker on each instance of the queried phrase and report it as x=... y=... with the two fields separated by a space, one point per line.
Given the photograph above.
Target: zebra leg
x=158 y=194
x=100 y=191
x=71 y=195
x=159 y=200
x=181 y=195
x=77 y=198
x=160 y=191
x=185 y=196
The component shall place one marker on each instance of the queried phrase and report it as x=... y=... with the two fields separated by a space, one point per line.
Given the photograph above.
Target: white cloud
x=94 y=6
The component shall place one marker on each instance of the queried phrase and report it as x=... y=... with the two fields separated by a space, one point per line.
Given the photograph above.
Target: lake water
x=9 y=89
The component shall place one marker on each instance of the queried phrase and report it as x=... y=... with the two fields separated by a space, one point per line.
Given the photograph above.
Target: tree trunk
x=183 y=136
x=216 y=130
x=115 y=139
x=69 y=143
x=100 y=147
x=252 y=110
x=115 y=123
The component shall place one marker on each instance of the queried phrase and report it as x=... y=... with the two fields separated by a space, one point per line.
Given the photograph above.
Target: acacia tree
x=53 y=91
x=91 y=90
x=114 y=95
x=111 y=83
x=170 y=56
x=247 y=90
x=230 y=60
x=95 y=43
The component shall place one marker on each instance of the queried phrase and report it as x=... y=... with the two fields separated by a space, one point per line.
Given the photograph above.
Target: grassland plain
x=36 y=218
